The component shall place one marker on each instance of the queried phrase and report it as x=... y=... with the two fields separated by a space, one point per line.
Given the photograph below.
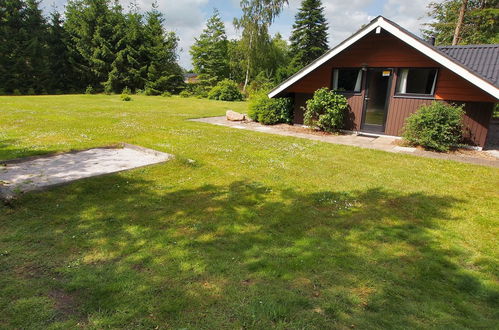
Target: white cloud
x=409 y=14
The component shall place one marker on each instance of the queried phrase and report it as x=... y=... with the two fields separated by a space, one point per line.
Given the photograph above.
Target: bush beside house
x=437 y=126
x=270 y=111
x=326 y=110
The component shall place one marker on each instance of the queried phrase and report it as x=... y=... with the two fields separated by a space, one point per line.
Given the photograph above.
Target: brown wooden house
x=387 y=73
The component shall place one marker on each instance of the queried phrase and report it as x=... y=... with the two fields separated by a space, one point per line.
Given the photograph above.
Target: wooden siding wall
x=452 y=87
x=476 y=121
x=398 y=111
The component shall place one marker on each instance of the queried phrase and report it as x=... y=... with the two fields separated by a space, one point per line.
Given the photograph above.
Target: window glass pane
x=347 y=80
x=416 y=81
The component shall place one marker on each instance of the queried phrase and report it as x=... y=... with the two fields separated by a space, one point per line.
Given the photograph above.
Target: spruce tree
x=36 y=75
x=92 y=28
x=309 y=35
x=12 y=36
x=130 y=65
x=209 y=53
x=23 y=51
x=60 y=68
x=163 y=72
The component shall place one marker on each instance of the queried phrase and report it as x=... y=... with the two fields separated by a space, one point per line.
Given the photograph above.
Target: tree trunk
x=459 y=25
x=246 y=80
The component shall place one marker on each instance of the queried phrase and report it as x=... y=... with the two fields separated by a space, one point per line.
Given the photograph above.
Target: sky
x=188 y=17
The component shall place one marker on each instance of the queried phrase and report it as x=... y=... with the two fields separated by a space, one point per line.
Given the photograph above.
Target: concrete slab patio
x=384 y=143
x=35 y=173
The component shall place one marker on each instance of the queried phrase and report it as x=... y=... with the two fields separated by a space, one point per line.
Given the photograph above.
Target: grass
x=260 y=231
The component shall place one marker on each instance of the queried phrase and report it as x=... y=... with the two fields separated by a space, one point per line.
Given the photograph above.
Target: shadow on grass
x=10 y=149
x=238 y=255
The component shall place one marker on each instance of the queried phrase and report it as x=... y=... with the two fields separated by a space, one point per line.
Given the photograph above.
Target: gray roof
x=483 y=60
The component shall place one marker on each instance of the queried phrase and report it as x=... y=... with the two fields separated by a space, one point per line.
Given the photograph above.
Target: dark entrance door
x=376 y=100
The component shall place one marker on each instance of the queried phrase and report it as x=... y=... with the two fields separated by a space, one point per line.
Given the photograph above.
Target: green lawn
x=261 y=231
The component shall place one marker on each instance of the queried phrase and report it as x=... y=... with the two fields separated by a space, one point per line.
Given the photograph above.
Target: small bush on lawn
x=126 y=90
x=16 y=92
x=270 y=111
x=226 y=90
x=166 y=94
x=437 y=126
x=126 y=97
x=89 y=90
x=326 y=110
x=185 y=94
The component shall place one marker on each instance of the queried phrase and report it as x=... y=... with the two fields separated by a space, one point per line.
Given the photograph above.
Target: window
x=347 y=80
x=417 y=81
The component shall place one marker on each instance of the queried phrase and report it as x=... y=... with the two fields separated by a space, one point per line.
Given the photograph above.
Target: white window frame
x=358 y=82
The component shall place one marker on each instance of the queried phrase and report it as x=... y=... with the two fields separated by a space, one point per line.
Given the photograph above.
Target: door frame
x=368 y=71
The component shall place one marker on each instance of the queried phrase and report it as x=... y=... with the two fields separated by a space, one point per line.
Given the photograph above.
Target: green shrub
x=166 y=94
x=16 y=92
x=89 y=90
x=125 y=97
x=200 y=89
x=2 y=91
x=259 y=84
x=185 y=94
x=139 y=92
x=326 y=110
x=151 y=92
x=30 y=91
x=126 y=90
x=270 y=111
x=226 y=90
x=437 y=126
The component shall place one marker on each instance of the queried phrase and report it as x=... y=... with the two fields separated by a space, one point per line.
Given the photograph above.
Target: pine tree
x=60 y=68
x=163 y=72
x=92 y=28
x=12 y=36
x=23 y=51
x=130 y=65
x=36 y=75
x=209 y=53
x=309 y=35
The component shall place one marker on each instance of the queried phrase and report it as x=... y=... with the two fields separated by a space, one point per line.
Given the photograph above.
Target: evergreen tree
x=130 y=64
x=163 y=72
x=309 y=35
x=92 y=28
x=23 y=51
x=479 y=23
x=57 y=42
x=36 y=74
x=12 y=36
x=210 y=52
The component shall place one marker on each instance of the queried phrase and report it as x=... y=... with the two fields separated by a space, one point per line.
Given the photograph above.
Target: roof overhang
x=407 y=37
